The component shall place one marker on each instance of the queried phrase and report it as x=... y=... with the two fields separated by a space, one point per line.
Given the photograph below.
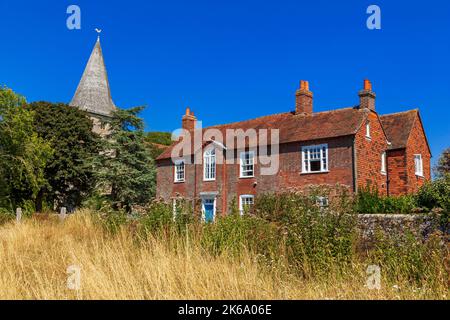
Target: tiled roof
x=398 y=127
x=319 y=125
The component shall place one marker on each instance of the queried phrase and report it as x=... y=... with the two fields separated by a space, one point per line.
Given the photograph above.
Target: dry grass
x=34 y=257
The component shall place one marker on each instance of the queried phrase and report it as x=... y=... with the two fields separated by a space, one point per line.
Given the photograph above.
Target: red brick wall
x=397 y=175
x=417 y=144
x=368 y=155
x=289 y=176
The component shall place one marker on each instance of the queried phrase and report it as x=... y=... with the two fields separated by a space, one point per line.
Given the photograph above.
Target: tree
x=125 y=167
x=23 y=154
x=443 y=166
x=69 y=130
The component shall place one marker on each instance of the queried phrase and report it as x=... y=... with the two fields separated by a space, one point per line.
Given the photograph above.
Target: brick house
x=354 y=147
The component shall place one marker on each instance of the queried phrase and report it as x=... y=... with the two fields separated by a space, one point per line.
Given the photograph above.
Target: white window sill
x=383 y=173
x=368 y=138
x=179 y=181
x=246 y=177
x=315 y=172
x=209 y=180
x=420 y=175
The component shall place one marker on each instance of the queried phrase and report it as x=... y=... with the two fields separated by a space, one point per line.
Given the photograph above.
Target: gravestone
x=62 y=213
x=18 y=214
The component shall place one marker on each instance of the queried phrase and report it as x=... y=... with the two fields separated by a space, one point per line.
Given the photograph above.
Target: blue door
x=208 y=209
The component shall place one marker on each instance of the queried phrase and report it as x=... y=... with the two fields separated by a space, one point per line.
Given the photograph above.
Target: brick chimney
x=367 y=96
x=189 y=120
x=303 y=99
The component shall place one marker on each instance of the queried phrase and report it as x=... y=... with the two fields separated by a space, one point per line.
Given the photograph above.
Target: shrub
x=234 y=233
x=436 y=195
x=317 y=239
x=368 y=200
x=406 y=257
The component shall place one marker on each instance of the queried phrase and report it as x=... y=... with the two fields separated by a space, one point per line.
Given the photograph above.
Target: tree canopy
x=443 y=166
x=125 y=169
x=23 y=154
x=69 y=130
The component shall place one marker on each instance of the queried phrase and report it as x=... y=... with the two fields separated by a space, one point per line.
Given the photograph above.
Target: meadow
x=236 y=258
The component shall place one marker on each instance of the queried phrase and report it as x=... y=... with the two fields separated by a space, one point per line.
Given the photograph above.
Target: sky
x=235 y=60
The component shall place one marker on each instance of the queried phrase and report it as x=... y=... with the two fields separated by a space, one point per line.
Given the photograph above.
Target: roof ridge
x=279 y=114
x=400 y=112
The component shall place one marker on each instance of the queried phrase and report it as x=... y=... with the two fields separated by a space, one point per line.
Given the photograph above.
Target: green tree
x=69 y=130
x=125 y=168
x=443 y=166
x=23 y=154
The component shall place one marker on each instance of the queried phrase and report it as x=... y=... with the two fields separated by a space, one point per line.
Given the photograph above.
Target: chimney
x=303 y=99
x=189 y=120
x=367 y=96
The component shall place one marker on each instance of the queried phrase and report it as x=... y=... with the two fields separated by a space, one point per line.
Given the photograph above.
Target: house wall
x=368 y=155
x=417 y=144
x=397 y=173
x=289 y=177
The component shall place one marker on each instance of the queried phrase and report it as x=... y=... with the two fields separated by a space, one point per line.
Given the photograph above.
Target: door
x=208 y=210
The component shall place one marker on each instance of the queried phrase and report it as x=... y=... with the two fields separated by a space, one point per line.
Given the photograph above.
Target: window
x=367 y=129
x=383 y=163
x=315 y=158
x=247 y=164
x=322 y=202
x=179 y=171
x=209 y=165
x=245 y=203
x=418 y=163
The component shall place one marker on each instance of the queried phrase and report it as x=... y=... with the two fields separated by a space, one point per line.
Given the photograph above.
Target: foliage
x=436 y=195
x=317 y=239
x=125 y=167
x=443 y=166
x=406 y=257
x=368 y=200
x=23 y=154
x=70 y=178
x=164 y=138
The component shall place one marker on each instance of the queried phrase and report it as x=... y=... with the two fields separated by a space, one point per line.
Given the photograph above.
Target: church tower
x=93 y=93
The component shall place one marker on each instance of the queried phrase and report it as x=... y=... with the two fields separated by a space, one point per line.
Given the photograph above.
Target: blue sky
x=234 y=60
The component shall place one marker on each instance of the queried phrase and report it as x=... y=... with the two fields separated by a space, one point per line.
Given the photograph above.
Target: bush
x=368 y=200
x=406 y=257
x=317 y=239
x=436 y=195
x=234 y=233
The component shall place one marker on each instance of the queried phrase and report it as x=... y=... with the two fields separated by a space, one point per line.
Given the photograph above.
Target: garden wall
x=419 y=224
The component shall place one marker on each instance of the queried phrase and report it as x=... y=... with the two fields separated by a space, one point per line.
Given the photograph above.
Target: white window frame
x=241 y=200
x=322 y=201
x=214 y=200
x=383 y=163
x=368 y=130
x=209 y=164
x=418 y=165
x=241 y=164
x=175 y=171
x=323 y=155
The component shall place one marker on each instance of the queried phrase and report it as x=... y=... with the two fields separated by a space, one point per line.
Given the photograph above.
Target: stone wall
x=419 y=224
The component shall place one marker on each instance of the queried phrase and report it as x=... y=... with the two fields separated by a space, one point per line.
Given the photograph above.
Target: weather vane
x=98 y=31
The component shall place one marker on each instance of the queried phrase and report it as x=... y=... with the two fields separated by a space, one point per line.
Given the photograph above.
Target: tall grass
x=158 y=258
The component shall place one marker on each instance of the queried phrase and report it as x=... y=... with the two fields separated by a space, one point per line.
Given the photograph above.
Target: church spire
x=93 y=93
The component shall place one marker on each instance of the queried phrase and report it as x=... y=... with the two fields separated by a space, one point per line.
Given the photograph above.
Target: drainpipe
x=354 y=166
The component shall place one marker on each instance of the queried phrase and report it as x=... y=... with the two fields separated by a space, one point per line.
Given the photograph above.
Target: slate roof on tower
x=93 y=93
